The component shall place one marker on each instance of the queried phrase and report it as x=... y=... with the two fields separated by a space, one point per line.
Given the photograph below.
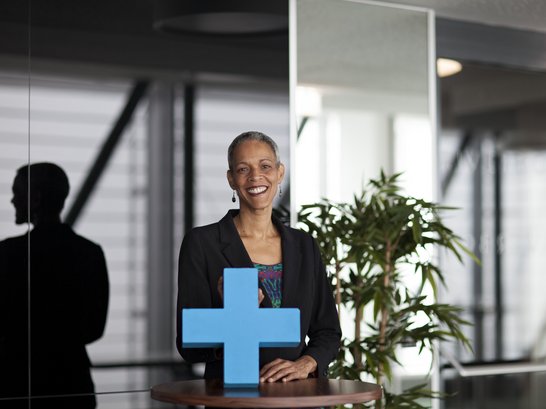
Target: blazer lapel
x=235 y=253
x=291 y=259
x=232 y=246
x=234 y=250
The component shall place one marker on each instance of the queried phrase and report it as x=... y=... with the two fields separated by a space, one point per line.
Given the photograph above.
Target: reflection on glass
x=14 y=140
x=362 y=99
x=68 y=290
x=362 y=105
x=68 y=87
x=499 y=391
x=492 y=151
x=116 y=400
x=13 y=153
x=70 y=121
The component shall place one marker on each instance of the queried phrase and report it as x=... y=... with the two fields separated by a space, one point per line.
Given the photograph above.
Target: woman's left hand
x=281 y=369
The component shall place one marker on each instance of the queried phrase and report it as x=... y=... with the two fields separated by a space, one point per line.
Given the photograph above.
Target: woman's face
x=255 y=175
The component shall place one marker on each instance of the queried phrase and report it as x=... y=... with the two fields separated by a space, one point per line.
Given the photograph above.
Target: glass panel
x=128 y=400
x=496 y=392
x=121 y=144
x=92 y=270
x=493 y=153
x=14 y=152
x=362 y=98
x=362 y=105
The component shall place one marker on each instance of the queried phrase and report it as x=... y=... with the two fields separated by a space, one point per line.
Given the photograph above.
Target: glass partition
x=14 y=153
x=126 y=130
x=14 y=131
x=492 y=150
x=362 y=98
x=364 y=101
x=88 y=274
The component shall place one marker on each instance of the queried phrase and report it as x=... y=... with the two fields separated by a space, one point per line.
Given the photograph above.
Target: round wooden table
x=303 y=393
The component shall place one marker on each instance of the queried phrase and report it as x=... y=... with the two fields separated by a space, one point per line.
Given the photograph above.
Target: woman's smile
x=256 y=190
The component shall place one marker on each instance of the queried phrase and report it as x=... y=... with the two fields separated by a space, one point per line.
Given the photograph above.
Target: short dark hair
x=253 y=136
x=49 y=180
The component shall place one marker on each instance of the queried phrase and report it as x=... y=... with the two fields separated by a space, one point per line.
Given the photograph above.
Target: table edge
x=267 y=401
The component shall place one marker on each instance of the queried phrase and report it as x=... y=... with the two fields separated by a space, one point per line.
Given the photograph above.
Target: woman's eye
x=266 y=167
x=242 y=170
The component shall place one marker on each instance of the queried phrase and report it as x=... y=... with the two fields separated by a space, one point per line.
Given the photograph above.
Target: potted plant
x=369 y=247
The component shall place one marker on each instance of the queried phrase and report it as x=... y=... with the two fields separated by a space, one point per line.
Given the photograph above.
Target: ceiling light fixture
x=221 y=17
x=446 y=67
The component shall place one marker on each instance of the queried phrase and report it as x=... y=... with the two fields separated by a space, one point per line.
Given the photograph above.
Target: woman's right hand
x=220 y=287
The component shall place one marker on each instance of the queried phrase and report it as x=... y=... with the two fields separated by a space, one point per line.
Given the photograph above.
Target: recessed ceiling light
x=446 y=67
x=221 y=17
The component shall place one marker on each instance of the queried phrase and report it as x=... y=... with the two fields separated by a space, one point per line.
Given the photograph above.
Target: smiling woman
x=255 y=171
x=290 y=271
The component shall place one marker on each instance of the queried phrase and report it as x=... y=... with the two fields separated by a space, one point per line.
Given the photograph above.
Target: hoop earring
x=233 y=197
x=280 y=190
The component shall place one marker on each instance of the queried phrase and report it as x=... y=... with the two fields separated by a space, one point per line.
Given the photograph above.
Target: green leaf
x=377 y=303
x=467 y=251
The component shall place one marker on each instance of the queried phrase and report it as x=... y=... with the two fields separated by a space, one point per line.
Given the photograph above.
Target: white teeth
x=256 y=190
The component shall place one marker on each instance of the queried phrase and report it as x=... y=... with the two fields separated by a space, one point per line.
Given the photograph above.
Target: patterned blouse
x=270 y=277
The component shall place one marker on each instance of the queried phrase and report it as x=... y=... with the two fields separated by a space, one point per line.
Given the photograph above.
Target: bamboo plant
x=368 y=247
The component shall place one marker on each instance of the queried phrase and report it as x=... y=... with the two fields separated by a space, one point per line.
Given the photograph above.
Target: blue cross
x=241 y=327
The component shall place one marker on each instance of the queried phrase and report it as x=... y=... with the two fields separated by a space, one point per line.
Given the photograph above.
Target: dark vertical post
x=189 y=153
x=499 y=330
x=477 y=284
x=160 y=248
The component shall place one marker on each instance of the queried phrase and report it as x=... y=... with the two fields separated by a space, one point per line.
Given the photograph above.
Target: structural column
x=477 y=230
x=160 y=254
x=189 y=154
x=499 y=299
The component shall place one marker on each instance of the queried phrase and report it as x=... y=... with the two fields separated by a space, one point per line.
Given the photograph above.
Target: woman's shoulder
x=199 y=239
x=213 y=231
x=208 y=230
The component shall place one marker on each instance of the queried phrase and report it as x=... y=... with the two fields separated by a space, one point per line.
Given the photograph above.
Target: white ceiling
x=520 y=14
x=359 y=54
x=365 y=55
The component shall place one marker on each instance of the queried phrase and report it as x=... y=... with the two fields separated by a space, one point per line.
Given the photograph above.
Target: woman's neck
x=255 y=224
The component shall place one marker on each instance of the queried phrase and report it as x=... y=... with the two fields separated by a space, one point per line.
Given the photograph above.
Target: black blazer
x=207 y=250
x=68 y=307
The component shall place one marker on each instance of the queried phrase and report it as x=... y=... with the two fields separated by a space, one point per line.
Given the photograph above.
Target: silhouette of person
x=51 y=308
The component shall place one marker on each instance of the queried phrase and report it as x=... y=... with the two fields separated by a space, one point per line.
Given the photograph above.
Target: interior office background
x=70 y=69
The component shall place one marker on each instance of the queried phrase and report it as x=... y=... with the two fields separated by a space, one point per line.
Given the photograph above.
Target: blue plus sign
x=241 y=327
